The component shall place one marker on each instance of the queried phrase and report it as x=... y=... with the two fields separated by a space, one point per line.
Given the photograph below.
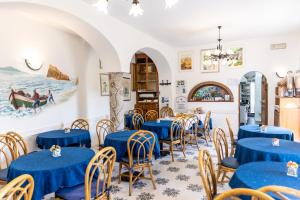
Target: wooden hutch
x=287 y=113
x=145 y=83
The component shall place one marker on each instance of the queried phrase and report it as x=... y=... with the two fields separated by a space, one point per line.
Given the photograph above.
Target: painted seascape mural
x=24 y=94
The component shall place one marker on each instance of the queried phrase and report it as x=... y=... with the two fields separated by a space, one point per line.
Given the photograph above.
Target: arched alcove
x=210 y=91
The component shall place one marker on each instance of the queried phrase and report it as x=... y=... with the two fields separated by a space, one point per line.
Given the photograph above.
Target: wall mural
x=23 y=94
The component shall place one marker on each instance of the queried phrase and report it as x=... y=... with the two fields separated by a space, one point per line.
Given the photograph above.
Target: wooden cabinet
x=287 y=114
x=145 y=83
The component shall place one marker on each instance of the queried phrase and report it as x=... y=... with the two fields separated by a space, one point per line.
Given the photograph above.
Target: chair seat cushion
x=135 y=160
x=3 y=174
x=230 y=162
x=77 y=192
x=169 y=138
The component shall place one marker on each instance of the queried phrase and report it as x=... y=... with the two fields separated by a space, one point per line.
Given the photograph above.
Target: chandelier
x=136 y=9
x=219 y=54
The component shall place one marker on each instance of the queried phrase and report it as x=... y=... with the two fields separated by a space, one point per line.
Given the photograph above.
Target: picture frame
x=104 y=84
x=208 y=65
x=185 y=61
x=126 y=82
x=236 y=60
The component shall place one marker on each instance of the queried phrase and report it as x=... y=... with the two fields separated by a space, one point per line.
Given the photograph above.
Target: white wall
x=257 y=57
x=71 y=54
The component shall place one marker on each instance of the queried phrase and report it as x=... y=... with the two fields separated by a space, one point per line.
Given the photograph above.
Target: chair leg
x=120 y=171
x=223 y=177
x=171 y=151
x=152 y=177
x=183 y=147
x=130 y=182
x=219 y=173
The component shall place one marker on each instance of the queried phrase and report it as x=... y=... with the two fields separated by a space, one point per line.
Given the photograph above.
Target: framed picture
x=236 y=59
x=208 y=64
x=126 y=88
x=185 y=60
x=104 y=84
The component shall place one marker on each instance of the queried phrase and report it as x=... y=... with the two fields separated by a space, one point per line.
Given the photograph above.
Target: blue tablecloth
x=51 y=173
x=259 y=174
x=272 y=132
x=261 y=149
x=161 y=128
x=119 y=139
x=128 y=121
x=59 y=137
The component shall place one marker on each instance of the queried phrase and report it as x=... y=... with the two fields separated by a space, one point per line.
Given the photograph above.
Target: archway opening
x=253 y=99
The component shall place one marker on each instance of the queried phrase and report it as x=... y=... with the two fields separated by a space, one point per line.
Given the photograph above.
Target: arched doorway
x=253 y=99
x=164 y=74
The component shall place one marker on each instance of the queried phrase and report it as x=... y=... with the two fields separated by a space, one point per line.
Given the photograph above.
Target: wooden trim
x=209 y=83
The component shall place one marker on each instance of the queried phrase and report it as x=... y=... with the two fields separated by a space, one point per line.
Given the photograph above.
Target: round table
x=259 y=174
x=50 y=173
x=261 y=149
x=161 y=128
x=59 y=137
x=119 y=139
x=271 y=132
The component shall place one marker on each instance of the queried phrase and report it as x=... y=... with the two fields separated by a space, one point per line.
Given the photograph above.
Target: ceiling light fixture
x=102 y=6
x=171 y=3
x=136 y=9
x=219 y=54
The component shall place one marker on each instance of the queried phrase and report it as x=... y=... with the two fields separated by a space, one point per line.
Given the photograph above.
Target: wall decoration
x=181 y=104
x=208 y=64
x=210 y=92
x=126 y=88
x=104 y=84
x=24 y=94
x=235 y=60
x=180 y=87
x=185 y=61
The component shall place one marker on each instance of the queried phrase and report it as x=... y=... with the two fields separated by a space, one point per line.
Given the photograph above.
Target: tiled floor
x=178 y=180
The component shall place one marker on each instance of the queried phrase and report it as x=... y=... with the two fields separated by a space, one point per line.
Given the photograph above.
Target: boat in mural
x=25 y=94
x=20 y=100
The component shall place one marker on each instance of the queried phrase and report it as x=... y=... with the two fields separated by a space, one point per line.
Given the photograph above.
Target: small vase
x=292 y=171
x=56 y=153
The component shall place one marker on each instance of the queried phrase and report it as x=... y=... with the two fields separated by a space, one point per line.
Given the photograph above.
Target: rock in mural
x=23 y=94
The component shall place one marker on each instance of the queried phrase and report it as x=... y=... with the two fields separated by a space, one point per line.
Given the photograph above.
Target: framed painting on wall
x=185 y=60
x=208 y=64
x=126 y=88
x=104 y=84
x=235 y=60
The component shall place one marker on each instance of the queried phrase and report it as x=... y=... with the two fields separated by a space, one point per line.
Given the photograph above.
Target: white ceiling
x=193 y=22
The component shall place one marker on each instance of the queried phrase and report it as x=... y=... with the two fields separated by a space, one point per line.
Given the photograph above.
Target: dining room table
x=255 y=175
x=51 y=173
x=63 y=138
x=119 y=139
x=262 y=149
x=160 y=127
x=254 y=130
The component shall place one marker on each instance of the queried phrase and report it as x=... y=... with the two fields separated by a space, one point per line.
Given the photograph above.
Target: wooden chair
x=9 y=152
x=281 y=192
x=137 y=121
x=151 y=115
x=103 y=128
x=233 y=141
x=235 y=193
x=176 y=137
x=22 y=148
x=19 y=188
x=140 y=147
x=207 y=174
x=204 y=131
x=226 y=163
x=166 y=112
x=80 y=124
x=191 y=129
x=96 y=185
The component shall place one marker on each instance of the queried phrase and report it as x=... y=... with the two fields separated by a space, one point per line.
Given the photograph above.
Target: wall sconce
x=162 y=83
x=32 y=59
